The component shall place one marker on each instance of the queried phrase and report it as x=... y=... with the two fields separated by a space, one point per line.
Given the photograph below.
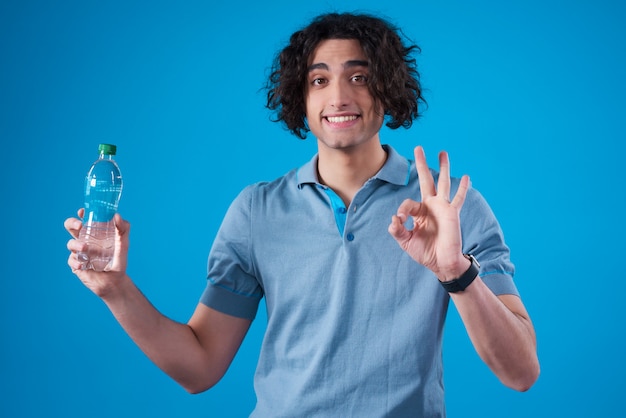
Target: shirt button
x=342 y=210
x=350 y=236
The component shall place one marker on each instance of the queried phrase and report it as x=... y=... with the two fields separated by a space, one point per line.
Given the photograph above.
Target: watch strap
x=461 y=283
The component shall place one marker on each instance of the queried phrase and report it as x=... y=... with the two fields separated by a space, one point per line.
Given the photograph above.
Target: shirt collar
x=396 y=170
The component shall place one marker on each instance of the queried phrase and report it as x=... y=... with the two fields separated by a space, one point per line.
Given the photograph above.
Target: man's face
x=340 y=111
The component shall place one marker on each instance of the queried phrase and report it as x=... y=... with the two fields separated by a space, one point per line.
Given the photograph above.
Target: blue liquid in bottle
x=103 y=189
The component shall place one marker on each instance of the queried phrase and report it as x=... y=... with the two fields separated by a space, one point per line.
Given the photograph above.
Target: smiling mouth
x=340 y=119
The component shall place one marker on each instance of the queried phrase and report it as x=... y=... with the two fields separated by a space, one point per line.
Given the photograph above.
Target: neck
x=345 y=171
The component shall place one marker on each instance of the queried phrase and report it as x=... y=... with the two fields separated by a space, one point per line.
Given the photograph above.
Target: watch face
x=472 y=259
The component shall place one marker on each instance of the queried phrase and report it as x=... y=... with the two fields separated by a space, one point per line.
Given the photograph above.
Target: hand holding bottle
x=101 y=283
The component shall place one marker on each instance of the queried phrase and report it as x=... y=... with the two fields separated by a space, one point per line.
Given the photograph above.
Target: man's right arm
x=196 y=354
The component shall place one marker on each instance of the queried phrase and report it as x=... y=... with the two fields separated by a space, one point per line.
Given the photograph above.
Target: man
x=355 y=304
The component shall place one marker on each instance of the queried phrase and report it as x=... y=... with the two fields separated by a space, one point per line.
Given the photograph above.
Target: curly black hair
x=393 y=78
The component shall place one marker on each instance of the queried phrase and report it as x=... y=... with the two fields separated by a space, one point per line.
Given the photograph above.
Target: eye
x=359 y=79
x=318 y=81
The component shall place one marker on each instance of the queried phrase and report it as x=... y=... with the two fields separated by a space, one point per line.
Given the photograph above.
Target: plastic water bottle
x=103 y=189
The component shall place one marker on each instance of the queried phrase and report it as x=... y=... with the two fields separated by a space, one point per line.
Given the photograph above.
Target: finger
x=459 y=197
x=427 y=184
x=74 y=263
x=76 y=246
x=73 y=225
x=443 y=184
x=408 y=208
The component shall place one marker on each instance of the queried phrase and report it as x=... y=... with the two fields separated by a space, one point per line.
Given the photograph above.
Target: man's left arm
x=502 y=333
x=499 y=326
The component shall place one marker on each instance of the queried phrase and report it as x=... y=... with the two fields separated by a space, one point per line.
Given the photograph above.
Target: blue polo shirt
x=354 y=324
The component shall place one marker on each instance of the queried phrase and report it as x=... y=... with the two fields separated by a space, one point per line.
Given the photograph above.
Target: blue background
x=527 y=96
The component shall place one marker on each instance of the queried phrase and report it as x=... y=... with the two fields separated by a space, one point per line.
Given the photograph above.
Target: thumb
x=122 y=226
x=397 y=228
x=120 y=254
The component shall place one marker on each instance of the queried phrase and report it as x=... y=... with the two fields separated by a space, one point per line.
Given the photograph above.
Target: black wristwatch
x=458 y=285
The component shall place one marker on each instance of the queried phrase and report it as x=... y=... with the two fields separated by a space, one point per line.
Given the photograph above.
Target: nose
x=339 y=94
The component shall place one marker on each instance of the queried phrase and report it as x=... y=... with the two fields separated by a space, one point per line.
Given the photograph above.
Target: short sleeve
x=483 y=238
x=232 y=287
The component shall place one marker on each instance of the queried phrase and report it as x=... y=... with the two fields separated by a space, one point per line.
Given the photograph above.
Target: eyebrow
x=347 y=64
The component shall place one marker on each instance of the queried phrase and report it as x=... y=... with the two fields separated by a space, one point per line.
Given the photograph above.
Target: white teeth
x=339 y=119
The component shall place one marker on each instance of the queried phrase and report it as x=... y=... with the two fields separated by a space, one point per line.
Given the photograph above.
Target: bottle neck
x=106 y=156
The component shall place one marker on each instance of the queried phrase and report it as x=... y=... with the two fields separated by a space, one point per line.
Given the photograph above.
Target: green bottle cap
x=107 y=149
